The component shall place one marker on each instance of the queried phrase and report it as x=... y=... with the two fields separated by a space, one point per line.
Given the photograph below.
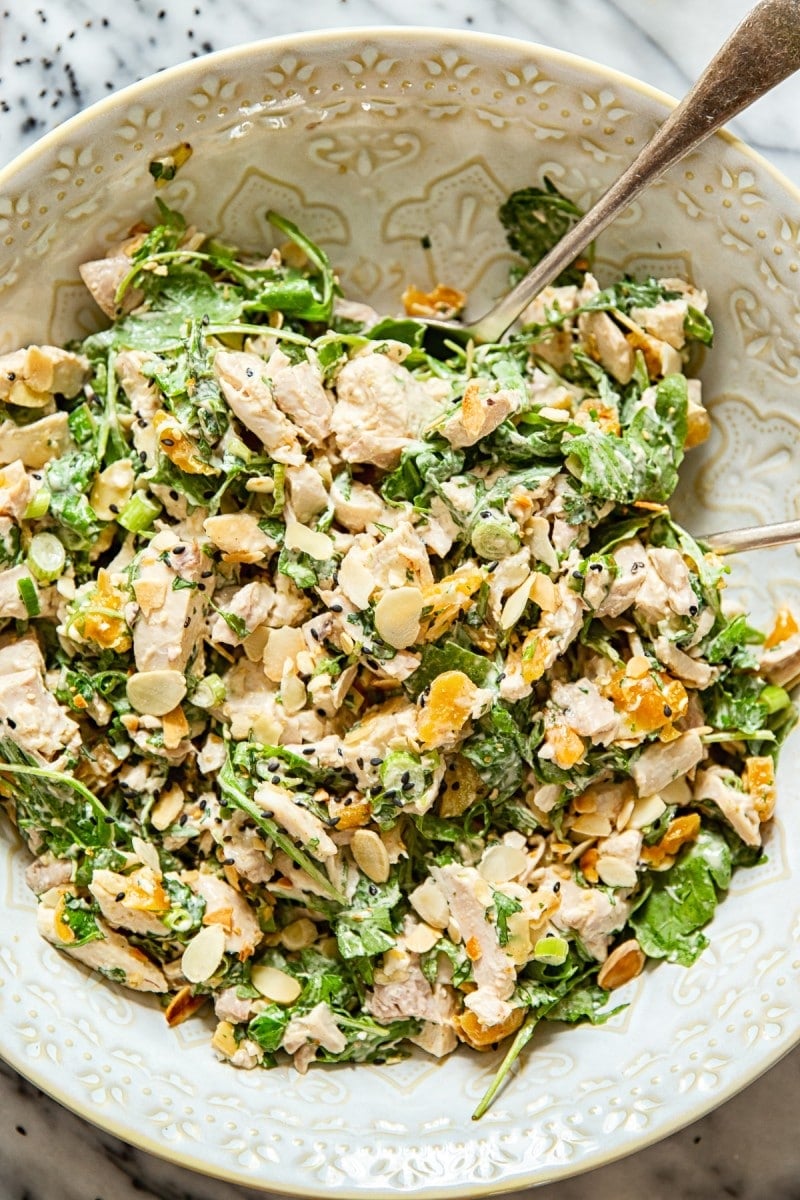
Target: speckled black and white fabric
x=61 y=55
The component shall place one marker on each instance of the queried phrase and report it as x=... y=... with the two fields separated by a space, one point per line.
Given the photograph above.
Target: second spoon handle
x=758 y=537
x=763 y=50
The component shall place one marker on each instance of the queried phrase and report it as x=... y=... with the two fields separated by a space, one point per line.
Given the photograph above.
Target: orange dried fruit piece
x=535 y=654
x=785 y=626
x=447 y=708
x=568 y=746
x=443 y=602
x=605 y=416
x=102 y=620
x=175 y=443
x=443 y=301
x=482 y=1037
x=681 y=830
x=652 y=702
x=759 y=780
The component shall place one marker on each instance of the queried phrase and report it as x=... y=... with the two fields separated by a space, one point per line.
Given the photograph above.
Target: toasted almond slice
x=591 y=825
x=277 y=986
x=175 y=727
x=147 y=854
x=646 y=810
x=397 y=616
x=224 y=1041
x=309 y=541
x=156 y=693
x=637 y=667
x=615 y=872
x=421 y=938
x=543 y=592
x=282 y=646
x=514 y=606
x=151 y=594
x=167 y=809
x=355 y=581
x=429 y=902
x=293 y=694
x=371 y=855
x=502 y=863
x=203 y=954
x=623 y=964
x=541 y=545
x=182 y=1005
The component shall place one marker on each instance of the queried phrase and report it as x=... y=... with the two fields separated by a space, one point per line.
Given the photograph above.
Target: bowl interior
x=394 y=149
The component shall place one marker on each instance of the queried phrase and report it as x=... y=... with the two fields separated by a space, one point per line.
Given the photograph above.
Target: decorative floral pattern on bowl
x=393 y=149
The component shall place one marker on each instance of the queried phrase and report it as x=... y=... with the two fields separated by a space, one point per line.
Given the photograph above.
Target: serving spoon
x=762 y=51
x=754 y=537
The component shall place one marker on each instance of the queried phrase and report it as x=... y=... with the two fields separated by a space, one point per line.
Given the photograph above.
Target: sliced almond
x=543 y=592
x=282 y=646
x=615 y=872
x=637 y=667
x=540 y=543
x=239 y=534
x=428 y=901
x=308 y=541
x=224 y=1040
x=167 y=809
x=156 y=693
x=623 y=964
x=502 y=863
x=646 y=810
x=421 y=938
x=147 y=854
x=293 y=694
x=371 y=855
x=514 y=606
x=182 y=1005
x=112 y=489
x=151 y=594
x=275 y=985
x=397 y=616
x=591 y=825
x=355 y=580
x=175 y=726
x=203 y=954
x=255 y=643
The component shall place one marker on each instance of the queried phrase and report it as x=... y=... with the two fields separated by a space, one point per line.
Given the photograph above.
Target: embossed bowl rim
x=27 y=162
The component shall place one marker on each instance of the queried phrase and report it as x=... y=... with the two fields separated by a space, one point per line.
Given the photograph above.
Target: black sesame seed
x=667 y=711
x=320 y=712
x=114 y=508
x=206 y=574
x=272 y=765
x=373 y=891
x=315 y=635
x=276 y=779
x=692 y=610
x=119 y=897
x=228 y=862
x=12 y=724
x=183 y=819
x=557 y=886
x=337 y=608
x=178 y=549
x=375 y=762
x=173 y=494
x=456 y=785
x=595 y=566
x=308 y=750
x=404 y=778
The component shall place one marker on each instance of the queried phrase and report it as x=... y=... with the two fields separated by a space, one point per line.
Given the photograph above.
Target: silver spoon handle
x=763 y=50
x=758 y=537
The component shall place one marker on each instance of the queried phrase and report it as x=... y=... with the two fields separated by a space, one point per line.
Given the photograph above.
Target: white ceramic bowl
x=371 y=140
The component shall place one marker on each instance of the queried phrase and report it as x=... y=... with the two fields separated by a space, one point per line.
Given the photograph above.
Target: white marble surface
x=64 y=54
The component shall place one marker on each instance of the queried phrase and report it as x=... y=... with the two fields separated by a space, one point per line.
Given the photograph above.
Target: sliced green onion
x=37 y=505
x=209 y=692
x=46 y=557
x=775 y=698
x=279 y=495
x=29 y=595
x=138 y=514
x=494 y=537
x=551 y=950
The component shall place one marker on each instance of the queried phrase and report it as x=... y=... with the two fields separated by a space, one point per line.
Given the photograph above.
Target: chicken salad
x=363 y=692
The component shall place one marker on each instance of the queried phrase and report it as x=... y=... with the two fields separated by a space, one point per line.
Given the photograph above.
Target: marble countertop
x=64 y=54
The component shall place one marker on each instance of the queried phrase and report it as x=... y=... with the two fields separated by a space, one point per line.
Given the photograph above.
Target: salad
x=362 y=693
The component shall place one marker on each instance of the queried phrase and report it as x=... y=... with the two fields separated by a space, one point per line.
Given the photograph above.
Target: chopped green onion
x=46 y=557
x=279 y=495
x=37 y=505
x=494 y=536
x=775 y=698
x=551 y=950
x=209 y=692
x=138 y=514
x=29 y=595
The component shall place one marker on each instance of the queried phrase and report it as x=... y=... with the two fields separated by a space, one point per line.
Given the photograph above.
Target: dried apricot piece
x=179 y=448
x=447 y=708
x=445 y=600
x=443 y=301
x=759 y=780
x=481 y=1037
x=568 y=746
x=784 y=627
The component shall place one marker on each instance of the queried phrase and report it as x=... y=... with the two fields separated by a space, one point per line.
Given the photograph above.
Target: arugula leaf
x=68 y=478
x=81 y=917
x=734 y=703
x=398 y=330
x=449 y=656
x=641 y=464
x=268 y=1027
x=311 y=299
x=682 y=900
x=232 y=789
x=587 y=1002
x=697 y=326
x=535 y=219
x=732 y=644
x=502 y=908
x=63 y=810
x=495 y=751
x=423 y=467
x=367 y=926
